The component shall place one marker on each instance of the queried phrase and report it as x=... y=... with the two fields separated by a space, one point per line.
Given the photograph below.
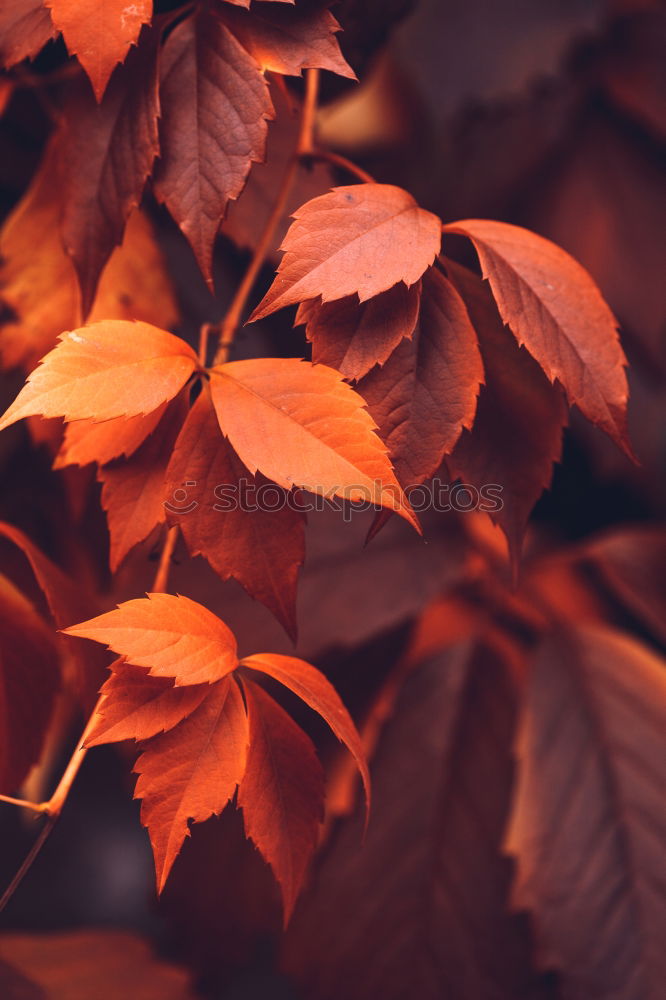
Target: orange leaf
x=287 y=40
x=426 y=392
x=215 y=106
x=281 y=793
x=353 y=336
x=86 y=441
x=137 y=706
x=361 y=239
x=92 y=374
x=316 y=691
x=133 y=489
x=261 y=548
x=191 y=772
x=557 y=312
x=301 y=425
x=99 y=34
x=25 y=28
x=172 y=636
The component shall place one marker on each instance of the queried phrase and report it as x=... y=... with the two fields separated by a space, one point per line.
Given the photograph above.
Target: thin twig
x=39 y=807
x=336 y=160
x=28 y=861
x=161 y=580
x=305 y=144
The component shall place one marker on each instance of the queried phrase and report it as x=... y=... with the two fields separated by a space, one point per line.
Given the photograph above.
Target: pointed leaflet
x=420 y=908
x=517 y=432
x=260 y=544
x=426 y=392
x=86 y=441
x=352 y=336
x=110 y=369
x=29 y=681
x=136 y=706
x=301 y=425
x=215 y=106
x=133 y=489
x=316 y=691
x=288 y=40
x=25 y=28
x=281 y=793
x=172 y=636
x=588 y=827
x=99 y=34
x=109 y=151
x=191 y=772
x=362 y=239
x=557 y=312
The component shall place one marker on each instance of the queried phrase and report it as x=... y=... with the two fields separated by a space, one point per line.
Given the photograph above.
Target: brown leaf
x=426 y=393
x=354 y=336
x=215 y=106
x=281 y=793
x=378 y=224
x=288 y=40
x=25 y=28
x=556 y=311
x=100 y=35
x=108 y=151
x=191 y=772
x=420 y=910
x=261 y=548
x=587 y=818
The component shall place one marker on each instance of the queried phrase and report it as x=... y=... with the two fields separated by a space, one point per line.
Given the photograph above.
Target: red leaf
x=215 y=104
x=29 y=681
x=281 y=793
x=362 y=239
x=588 y=820
x=25 y=28
x=92 y=374
x=262 y=549
x=100 y=35
x=326 y=438
x=137 y=706
x=288 y=40
x=517 y=432
x=172 y=636
x=316 y=691
x=556 y=311
x=191 y=772
x=426 y=392
x=133 y=492
x=109 y=151
x=352 y=336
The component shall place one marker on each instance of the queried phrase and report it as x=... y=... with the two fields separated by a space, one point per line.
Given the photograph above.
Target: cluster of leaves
x=419 y=366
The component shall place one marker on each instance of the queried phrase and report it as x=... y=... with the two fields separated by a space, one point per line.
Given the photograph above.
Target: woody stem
x=304 y=147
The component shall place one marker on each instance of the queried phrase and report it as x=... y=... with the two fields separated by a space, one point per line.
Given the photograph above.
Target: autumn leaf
x=25 y=28
x=360 y=239
x=327 y=439
x=353 y=336
x=556 y=311
x=261 y=546
x=171 y=636
x=109 y=150
x=425 y=394
x=87 y=441
x=99 y=35
x=29 y=681
x=215 y=106
x=281 y=793
x=288 y=40
x=91 y=374
x=588 y=806
x=316 y=691
x=517 y=431
x=137 y=706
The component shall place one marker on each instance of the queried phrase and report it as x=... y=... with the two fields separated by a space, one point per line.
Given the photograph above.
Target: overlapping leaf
x=557 y=312
x=99 y=34
x=25 y=28
x=360 y=239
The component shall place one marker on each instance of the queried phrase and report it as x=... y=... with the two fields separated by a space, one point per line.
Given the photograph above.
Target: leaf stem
x=336 y=160
x=161 y=580
x=304 y=147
